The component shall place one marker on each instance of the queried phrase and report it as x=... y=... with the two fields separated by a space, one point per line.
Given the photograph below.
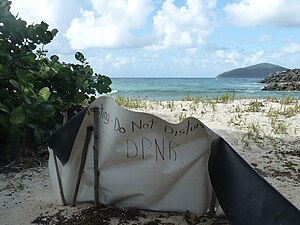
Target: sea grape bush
x=35 y=91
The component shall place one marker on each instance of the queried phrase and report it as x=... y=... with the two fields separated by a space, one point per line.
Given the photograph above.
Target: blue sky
x=168 y=38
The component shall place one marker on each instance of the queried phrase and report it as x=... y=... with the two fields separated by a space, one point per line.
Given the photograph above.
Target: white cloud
x=127 y=23
x=56 y=13
x=34 y=11
x=253 y=58
x=291 y=47
x=288 y=55
x=109 y=24
x=185 y=26
x=182 y=62
x=228 y=57
x=264 y=12
x=115 y=62
x=238 y=58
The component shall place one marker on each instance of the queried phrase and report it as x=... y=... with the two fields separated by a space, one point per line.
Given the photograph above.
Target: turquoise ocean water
x=178 y=88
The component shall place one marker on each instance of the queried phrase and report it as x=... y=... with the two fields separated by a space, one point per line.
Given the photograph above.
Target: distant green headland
x=260 y=70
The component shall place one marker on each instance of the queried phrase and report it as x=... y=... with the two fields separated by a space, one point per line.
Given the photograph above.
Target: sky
x=169 y=38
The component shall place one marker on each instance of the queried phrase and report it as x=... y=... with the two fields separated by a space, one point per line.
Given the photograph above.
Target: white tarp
x=148 y=163
x=144 y=162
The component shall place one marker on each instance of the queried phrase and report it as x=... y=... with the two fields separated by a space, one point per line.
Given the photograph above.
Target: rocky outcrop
x=288 y=80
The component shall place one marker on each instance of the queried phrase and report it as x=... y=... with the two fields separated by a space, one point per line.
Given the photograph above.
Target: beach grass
x=241 y=114
x=225 y=98
x=131 y=103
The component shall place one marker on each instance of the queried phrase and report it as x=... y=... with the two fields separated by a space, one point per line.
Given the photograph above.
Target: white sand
x=268 y=140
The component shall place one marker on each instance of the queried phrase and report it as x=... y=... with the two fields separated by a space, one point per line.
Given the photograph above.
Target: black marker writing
x=184 y=131
x=161 y=148
x=142 y=125
x=104 y=115
x=118 y=127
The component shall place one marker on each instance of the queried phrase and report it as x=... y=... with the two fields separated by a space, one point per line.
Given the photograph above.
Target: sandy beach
x=264 y=132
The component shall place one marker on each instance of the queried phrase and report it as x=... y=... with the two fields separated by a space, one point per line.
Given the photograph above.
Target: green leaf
x=27 y=100
x=44 y=25
x=43 y=74
x=5 y=57
x=33 y=126
x=45 y=93
x=79 y=97
x=54 y=58
x=39 y=135
x=48 y=110
x=80 y=57
x=21 y=74
x=17 y=116
x=56 y=66
x=92 y=98
x=89 y=71
x=105 y=80
x=4 y=108
x=3 y=121
x=45 y=62
x=54 y=32
x=5 y=5
x=29 y=58
x=85 y=85
x=47 y=68
x=85 y=103
x=14 y=83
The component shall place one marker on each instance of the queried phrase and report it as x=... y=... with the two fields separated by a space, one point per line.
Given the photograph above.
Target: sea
x=172 y=89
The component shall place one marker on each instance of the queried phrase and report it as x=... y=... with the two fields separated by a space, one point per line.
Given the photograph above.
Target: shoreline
x=159 y=89
x=264 y=132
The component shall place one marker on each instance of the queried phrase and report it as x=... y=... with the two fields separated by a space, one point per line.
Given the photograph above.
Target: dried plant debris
x=107 y=215
x=30 y=160
x=101 y=215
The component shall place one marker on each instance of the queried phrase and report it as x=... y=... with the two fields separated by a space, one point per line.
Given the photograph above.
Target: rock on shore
x=288 y=80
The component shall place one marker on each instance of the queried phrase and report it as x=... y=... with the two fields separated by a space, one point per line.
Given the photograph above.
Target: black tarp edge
x=245 y=197
x=62 y=140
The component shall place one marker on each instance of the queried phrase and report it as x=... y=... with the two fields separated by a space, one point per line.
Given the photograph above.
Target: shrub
x=36 y=90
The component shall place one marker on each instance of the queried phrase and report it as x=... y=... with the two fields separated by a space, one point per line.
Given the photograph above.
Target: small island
x=276 y=77
x=261 y=70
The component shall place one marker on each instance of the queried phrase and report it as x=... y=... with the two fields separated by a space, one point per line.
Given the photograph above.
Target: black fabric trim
x=246 y=198
x=62 y=140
